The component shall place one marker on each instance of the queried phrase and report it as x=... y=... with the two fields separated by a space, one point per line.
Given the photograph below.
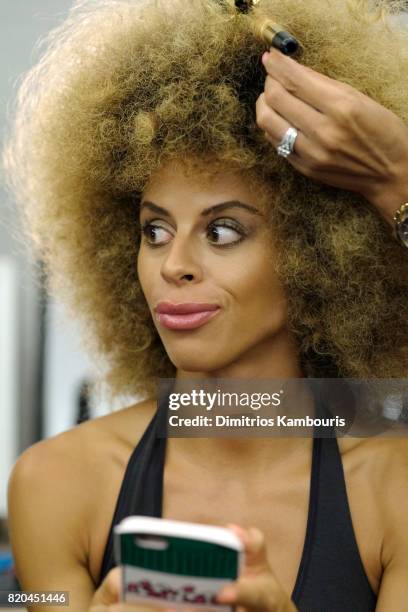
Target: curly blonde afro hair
x=123 y=86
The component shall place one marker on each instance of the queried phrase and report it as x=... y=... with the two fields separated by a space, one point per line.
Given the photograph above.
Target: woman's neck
x=276 y=358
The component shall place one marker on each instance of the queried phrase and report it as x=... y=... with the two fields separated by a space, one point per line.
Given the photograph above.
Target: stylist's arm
x=257 y=589
x=345 y=139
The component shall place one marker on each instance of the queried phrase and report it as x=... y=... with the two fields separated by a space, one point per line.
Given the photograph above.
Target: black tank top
x=331 y=576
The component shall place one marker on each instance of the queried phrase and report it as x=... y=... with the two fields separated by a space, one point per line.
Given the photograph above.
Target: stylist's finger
x=269 y=120
x=275 y=126
x=316 y=89
x=298 y=113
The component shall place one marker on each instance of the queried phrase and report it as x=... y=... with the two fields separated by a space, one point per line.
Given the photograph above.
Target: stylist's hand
x=257 y=589
x=345 y=138
x=106 y=598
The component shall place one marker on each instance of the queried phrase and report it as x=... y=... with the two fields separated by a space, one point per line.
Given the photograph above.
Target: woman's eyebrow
x=207 y=211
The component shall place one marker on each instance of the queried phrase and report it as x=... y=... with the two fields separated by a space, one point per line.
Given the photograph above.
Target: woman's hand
x=106 y=598
x=257 y=588
x=345 y=138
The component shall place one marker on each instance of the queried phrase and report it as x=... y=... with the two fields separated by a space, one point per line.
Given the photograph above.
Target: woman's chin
x=197 y=361
x=193 y=365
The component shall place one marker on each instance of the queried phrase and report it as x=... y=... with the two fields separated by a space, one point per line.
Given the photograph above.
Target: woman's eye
x=223 y=233
x=155 y=234
x=220 y=233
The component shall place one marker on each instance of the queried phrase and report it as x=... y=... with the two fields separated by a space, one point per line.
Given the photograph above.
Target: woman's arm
x=393 y=501
x=48 y=507
x=47 y=523
x=345 y=138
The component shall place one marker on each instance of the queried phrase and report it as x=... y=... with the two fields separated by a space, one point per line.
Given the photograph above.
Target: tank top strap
x=332 y=576
x=141 y=492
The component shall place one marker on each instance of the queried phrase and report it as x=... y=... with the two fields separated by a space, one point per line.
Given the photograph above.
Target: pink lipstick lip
x=184 y=308
x=186 y=321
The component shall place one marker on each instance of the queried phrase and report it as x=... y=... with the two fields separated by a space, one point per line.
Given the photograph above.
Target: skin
x=257 y=588
x=81 y=487
x=189 y=266
x=186 y=266
x=195 y=266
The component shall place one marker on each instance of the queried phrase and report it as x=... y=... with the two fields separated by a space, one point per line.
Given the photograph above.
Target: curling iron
x=269 y=31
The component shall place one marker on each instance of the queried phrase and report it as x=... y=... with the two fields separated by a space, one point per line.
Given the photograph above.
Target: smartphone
x=174 y=563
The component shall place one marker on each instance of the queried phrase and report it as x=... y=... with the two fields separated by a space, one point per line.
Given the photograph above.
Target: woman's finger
x=108 y=592
x=255 y=548
x=257 y=588
x=257 y=593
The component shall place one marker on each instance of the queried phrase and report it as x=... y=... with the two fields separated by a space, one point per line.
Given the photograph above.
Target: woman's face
x=207 y=242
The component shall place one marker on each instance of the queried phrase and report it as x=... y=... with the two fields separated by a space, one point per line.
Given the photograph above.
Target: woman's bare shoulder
x=389 y=459
x=123 y=426
x=63 y=475
x=379 y=457
x=75 y=452
x=377 y=467
x=382 y=449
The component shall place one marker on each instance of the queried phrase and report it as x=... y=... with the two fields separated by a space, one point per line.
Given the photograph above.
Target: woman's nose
x=181 y=263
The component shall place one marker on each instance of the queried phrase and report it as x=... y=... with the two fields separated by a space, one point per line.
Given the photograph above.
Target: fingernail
x=265 y=56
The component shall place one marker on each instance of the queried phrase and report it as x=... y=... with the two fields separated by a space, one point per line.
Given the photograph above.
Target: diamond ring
x=286 y=145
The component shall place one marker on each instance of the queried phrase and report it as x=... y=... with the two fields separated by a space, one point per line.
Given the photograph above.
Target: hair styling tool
x=268 y=30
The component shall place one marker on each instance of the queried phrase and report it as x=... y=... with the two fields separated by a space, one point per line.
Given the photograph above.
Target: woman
x=139 y=151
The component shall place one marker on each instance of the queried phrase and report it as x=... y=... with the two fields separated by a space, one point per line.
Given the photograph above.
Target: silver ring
x=286 y=145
